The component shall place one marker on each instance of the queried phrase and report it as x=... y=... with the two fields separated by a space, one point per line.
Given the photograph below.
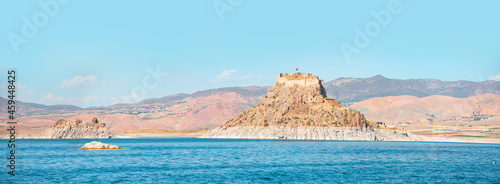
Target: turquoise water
x=192 y=160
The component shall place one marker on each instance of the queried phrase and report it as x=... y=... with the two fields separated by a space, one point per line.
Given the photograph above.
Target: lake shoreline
x=198 y=135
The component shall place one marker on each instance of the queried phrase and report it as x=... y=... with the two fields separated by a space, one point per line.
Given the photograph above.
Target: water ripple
x=191 y=160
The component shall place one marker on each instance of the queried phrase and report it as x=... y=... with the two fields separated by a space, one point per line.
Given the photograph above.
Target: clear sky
x=91 y=52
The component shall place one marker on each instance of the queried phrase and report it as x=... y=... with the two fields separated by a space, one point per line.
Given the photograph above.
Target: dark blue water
x=192 y=160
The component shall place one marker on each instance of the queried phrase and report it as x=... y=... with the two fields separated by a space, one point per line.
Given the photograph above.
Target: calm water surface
x=192 y=160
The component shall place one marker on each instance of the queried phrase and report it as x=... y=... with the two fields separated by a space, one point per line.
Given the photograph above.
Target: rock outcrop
x=296 y=107
x=311 y=133
x=76 y=129
x=99 y=145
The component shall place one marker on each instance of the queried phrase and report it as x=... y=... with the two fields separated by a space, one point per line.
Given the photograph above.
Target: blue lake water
x=193 y=160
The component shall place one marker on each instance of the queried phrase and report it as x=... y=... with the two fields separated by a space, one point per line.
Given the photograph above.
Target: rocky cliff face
x=311 y=133
x=76 y=129
x=296 y=107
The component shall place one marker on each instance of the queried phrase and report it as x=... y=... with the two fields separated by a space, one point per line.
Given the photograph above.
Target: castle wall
x=300 y=79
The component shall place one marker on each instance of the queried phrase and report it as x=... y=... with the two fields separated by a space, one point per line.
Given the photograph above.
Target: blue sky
x=91 y=53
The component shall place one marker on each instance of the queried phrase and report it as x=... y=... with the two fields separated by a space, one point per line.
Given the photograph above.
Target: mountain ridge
x=345 y=90
x=188 y=111
x=350 y=90
x=429 y=109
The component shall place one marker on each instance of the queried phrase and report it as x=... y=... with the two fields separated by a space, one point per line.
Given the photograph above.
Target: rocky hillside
x=296 y=107
x=211 y=108
x=350 y=90
x=345 y=90
x=293 y=104
x=24 y=109
x=411 y=109
x=76 y=129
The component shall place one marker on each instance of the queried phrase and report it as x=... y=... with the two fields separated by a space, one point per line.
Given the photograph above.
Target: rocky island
x=99 y=145
x=296 y=107
x=76 y=129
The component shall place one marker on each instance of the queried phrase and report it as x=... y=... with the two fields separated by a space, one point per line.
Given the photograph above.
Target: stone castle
x=300 y=79
x=296 y=107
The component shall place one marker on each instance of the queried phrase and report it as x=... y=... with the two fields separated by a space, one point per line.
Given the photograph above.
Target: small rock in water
x=99 y=145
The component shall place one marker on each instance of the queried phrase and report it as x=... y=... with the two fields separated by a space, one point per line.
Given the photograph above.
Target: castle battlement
x=301 y=79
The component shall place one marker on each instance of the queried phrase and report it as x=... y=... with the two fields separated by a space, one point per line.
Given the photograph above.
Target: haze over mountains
x=412 y=109
x=210 y=108
x=350 y=90
x=345 y=90
x=24 y=109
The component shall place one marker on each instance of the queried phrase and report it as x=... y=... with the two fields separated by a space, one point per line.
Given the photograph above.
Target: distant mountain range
x=24 y=109
x=210 y=108
x=29 y=109
x=345 y=90
x=350 y=90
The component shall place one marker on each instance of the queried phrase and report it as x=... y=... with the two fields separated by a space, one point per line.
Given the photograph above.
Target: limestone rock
x=99 y=145
x=76 y=129
x=296 y=107
x=311 y=133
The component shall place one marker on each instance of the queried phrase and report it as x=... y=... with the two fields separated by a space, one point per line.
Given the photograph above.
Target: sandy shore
x=138 y=135
x=167 y=135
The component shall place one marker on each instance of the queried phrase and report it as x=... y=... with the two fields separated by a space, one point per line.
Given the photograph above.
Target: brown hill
x=413 y=109
x=76 y=129
x=475 y=118
x=199 y=113
x=296 y=107
x=196 y=113
x=24 y=109
x=350 y=90
x=299 y=100
x=216 y=106
x=344 y=90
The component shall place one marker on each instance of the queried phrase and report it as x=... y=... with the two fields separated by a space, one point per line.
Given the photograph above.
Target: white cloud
x=225 y=74
x=19 y=87
x=88 y=99
x=133 y=97
x=25 y=95
x=236 y=76
x=23 y=92
x=51 y=98
x=495 y=77
x=82 y=82
x=114 y=100
x=72 y=99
